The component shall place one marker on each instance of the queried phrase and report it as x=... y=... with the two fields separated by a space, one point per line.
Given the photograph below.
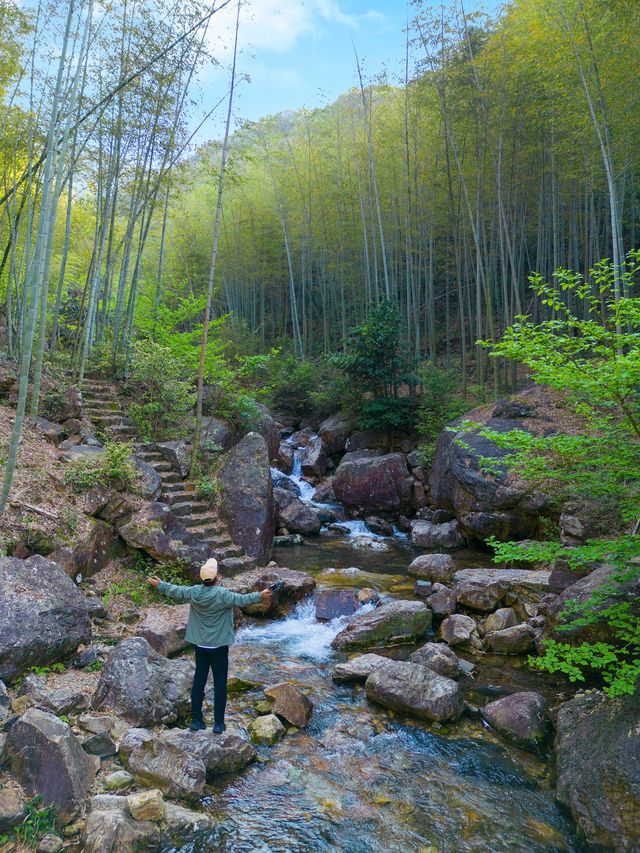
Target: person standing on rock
x=210 y=629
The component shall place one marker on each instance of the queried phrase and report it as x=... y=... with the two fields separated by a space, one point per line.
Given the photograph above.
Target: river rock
x=511 y=641
x=177 y=454
x=460 y=630
x=51 y=431
x=415 y=690
x=332 y=603
x=314 y=458
x=503 y=618
x=297 y=585
x=598 y=768
x=226 y=753
x=582 y=592
x=379 y=483
x=11 y=808
x=357 y=669
x=528 y=584
x=295 y=515
x=142 y=686
x=266 y=730
x=335 y=430
x=156 y=762
x=146 y=805
x=268 y=428
x=368 y=439
x=426 y=534
x=290 y=703
x=64 y=700
x=109 y=827
x=118 y=780
x=394 y=623
x=47 y=759
x=324 y=493
x=521 y=718
x=286 y=457
x=479 y=596
x=439 y=658
x=486 y=502
x=155 y=530
x=379 y=525
x=164 y=628
x=246 y=496
x=364 y=542
x=432 y=567
x=43 y=615
x=442 y=600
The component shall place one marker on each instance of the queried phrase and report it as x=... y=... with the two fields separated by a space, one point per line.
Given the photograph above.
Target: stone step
x=223 y=552
x=232 y=566
x=163 y=468
x=182 y=486
x=185 y=509
x=211 y=533
x=179 y=496
x=111 y=418
x=101 y=405
x=169 y=477
x=152 y=458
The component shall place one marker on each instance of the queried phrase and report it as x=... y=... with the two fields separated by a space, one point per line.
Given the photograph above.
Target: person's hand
x=266 y=596
x=154 y=581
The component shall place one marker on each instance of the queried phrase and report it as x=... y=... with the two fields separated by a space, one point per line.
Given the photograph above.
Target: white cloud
x=277 y=25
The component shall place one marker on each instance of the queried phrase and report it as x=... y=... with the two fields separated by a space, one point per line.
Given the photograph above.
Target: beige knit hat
x=209 y=572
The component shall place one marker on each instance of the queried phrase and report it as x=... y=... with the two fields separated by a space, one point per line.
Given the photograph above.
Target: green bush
x=162 y=393
x=591 y=355
x=37 y=822
x=439 y=403
x=113 y=468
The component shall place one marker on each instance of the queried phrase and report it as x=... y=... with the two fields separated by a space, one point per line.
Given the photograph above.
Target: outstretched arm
x=236 y=599
x=171 y=590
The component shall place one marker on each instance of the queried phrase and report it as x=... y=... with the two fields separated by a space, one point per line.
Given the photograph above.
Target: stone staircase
x=102 y=407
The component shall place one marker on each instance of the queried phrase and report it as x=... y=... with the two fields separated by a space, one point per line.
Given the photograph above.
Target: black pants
x=218 y=661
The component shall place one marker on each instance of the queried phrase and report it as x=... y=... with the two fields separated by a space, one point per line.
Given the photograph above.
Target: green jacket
x=211 y=613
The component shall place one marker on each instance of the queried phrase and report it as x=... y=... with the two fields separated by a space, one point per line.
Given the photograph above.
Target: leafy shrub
x=38 y=821
x=162 y=393
x=593 y=357
x=113 y=467
x=439 y=403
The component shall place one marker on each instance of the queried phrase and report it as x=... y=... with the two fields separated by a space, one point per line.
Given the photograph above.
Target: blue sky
x=299 y=53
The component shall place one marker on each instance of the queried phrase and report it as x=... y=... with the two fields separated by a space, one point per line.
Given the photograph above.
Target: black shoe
x=197 y=726
x=219 y=728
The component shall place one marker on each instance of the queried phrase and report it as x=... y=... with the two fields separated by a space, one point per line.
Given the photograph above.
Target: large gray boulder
x=394 y=623
x=5 y=703
x=526 y=584
x=295 y=515
x=164 y=627
x=48 y=760
x=415 y=690
x=460 y=630
x=439 y=658
x=521 y=718
x=226 y=753
x=246 y=496
x=177 y=455
x=480 y=596
x=314 y=458
x=432 y=567
x=142 y=686
x=335 y=431
x=487 y=503
x=511 y=641
x=149 y=482
x=426 y=534
x=109 y=827
x=582 y=592
x=374 y=483
x=43 y=615
x=155 y=530
x=598 y=768
x=158 y=763
x=89 y=553
x=357 y=669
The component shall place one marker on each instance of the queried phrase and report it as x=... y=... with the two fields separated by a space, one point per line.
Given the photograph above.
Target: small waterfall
x=300 y=633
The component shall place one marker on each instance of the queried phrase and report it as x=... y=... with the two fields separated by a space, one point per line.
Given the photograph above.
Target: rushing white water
x=299 y=634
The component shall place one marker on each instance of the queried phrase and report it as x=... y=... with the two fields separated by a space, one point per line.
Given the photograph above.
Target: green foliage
x=593 y=357
x=95 y=666
x=208 y=489
x=388 y=413
x=439 y=403
x=70 y=518
x=47 y=670
x=304 y=388
x=52 y=403
x=112 y=468
x=38 y=821
x=162 y=392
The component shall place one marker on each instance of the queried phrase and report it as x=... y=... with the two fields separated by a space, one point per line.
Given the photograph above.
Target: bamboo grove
x=496 y=147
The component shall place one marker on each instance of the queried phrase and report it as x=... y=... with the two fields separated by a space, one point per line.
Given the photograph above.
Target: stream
x=362 y=779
